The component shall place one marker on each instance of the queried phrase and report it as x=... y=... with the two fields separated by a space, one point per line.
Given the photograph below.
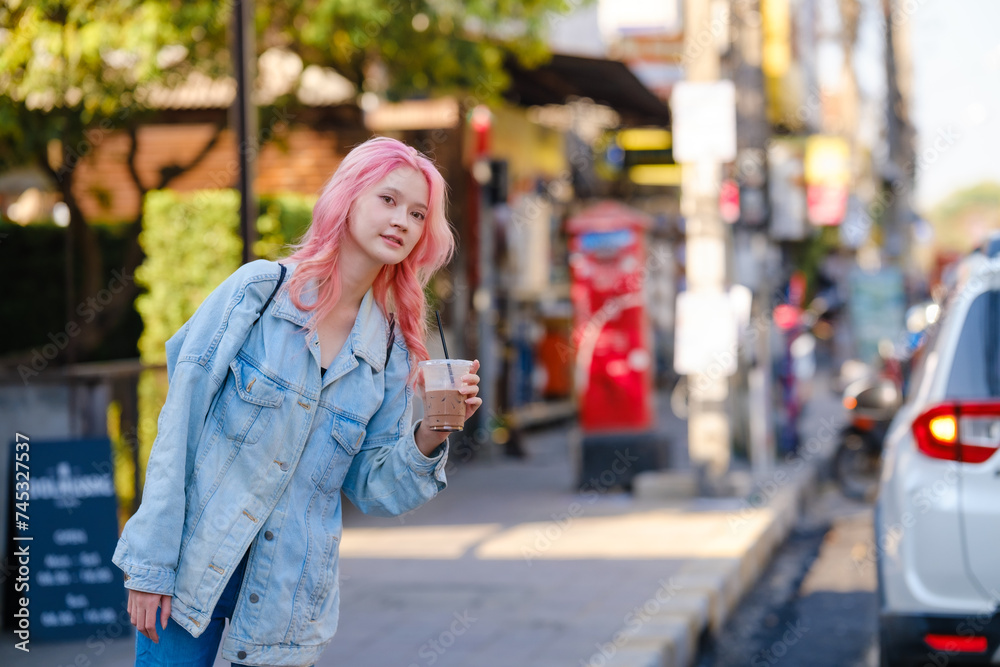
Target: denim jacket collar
x=369 y=336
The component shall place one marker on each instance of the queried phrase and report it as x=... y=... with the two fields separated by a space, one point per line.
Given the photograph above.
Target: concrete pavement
x=512 y=566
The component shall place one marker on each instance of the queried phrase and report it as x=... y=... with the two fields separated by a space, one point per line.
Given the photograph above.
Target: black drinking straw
x=437 y=313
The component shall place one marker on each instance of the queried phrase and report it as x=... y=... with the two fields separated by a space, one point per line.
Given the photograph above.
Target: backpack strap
x=392 y=316
x=281 y=279
x=392 y=337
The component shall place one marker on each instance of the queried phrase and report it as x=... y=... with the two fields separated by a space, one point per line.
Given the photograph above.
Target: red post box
x=614 y=360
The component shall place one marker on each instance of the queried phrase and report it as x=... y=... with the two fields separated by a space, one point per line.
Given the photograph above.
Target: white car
x=937 y=515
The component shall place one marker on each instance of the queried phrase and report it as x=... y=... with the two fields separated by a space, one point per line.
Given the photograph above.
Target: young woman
x=277 y=405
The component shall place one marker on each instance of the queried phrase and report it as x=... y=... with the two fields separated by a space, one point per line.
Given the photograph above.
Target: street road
x=815 y=604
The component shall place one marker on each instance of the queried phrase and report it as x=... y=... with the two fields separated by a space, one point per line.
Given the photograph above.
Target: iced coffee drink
x=444 y=405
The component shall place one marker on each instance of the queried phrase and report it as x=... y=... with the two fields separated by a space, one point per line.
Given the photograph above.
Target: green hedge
x=283 y=219
x=192 y=243
x=33 y=274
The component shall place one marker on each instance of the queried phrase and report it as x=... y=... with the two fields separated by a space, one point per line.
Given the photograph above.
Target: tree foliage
x=72 y=71
x=962 y=218
x=402 y=48
x=72 y=67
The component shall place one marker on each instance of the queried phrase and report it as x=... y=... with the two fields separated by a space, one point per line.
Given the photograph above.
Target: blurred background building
x=694 y=198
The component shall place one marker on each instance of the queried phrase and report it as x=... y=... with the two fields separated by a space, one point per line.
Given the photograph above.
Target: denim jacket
x=253 y=450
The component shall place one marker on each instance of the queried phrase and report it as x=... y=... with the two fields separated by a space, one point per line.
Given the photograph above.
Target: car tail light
x=956 y=643
x=965 y=432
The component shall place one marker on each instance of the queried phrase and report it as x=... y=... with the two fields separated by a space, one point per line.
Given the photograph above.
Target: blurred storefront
x=517 y=170
x=547 y=155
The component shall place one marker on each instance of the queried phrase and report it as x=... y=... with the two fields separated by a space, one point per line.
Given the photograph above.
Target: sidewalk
x=510 y=566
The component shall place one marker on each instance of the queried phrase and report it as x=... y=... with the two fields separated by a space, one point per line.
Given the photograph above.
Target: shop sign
x=66 y=529
x=704 y=118
x=828 y=175
x=786 y=192
x=705 y=340
x=729 y=201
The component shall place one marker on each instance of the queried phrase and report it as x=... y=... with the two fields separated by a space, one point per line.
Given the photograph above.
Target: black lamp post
x=244 y=120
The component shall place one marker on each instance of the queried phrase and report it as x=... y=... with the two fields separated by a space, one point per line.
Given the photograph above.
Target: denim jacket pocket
x=346 y=436
x=254 y=398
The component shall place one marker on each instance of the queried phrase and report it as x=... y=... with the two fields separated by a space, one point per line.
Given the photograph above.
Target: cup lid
x=444 y=362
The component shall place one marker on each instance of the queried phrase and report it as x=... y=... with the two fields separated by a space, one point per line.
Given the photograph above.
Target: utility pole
x=751 y=233
x=900 y=152
x=244 y=119
x=484 y=300
x=708 y=419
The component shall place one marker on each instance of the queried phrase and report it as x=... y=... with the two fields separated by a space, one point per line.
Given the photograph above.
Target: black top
x=322 y=371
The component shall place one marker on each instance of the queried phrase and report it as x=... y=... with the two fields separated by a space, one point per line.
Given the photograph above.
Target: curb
x=707 y=592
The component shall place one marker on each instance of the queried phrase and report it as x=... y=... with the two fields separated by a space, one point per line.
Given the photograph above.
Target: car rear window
x=975 y=373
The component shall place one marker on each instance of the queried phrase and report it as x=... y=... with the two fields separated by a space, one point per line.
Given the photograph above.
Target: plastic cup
x=444 y=405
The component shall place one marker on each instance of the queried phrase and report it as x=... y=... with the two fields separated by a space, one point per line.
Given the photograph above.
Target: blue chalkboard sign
x=64 y=529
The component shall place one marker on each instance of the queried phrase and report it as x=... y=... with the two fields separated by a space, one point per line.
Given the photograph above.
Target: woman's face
x=387 y=219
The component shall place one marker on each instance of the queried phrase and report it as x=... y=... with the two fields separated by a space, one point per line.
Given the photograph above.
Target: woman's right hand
x=142 y=612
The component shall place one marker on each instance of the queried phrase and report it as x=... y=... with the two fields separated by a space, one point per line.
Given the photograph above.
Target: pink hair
x=398 y=288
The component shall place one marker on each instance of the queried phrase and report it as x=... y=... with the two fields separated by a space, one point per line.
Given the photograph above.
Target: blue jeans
x=177 y=648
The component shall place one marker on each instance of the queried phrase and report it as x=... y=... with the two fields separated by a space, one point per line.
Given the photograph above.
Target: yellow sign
x=655 y=174
x=827 y=161
x=777 y=26
x=645 y=139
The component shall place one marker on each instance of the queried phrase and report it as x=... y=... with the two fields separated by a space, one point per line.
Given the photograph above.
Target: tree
x=962 y=219
x=404 y=47
x=72 y=71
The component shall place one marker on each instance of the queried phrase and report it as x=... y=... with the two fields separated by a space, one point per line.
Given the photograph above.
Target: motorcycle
x=871 y=404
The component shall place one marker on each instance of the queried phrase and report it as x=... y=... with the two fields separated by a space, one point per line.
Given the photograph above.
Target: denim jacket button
x=284 y=466
x=241 y=655
x=268 y=535
x=254 y=597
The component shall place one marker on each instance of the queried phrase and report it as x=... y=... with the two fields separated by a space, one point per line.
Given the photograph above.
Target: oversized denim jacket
x=253 y=450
